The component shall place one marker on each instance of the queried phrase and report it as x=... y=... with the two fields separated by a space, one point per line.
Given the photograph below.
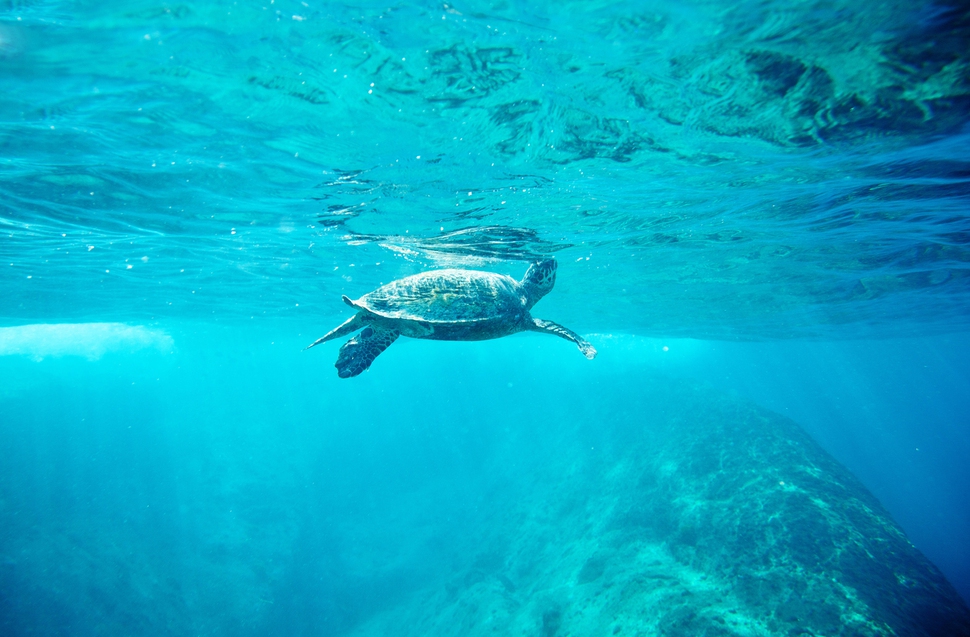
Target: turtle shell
x=447 y=296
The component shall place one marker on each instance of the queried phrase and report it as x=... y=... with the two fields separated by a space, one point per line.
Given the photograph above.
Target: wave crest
x=90 y=340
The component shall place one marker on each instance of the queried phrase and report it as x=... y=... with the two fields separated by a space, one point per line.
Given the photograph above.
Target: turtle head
x=539 y=279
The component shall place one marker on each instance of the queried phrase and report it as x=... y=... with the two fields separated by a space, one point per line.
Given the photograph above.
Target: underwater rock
x=558 y=510
x=703 y=515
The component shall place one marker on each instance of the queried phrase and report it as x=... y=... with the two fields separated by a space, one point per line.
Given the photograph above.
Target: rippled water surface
x=703 y=169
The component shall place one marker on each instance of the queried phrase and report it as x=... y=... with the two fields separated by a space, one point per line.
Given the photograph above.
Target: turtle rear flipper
x=357 y=354
x=540 y=325
x=349 y=326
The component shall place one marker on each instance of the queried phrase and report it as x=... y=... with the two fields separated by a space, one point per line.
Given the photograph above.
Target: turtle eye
x=542 y=274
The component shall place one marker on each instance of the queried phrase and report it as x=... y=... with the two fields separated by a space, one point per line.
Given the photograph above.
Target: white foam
x=89 y=340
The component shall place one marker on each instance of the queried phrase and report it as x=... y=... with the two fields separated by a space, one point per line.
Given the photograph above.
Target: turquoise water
x=760 y=215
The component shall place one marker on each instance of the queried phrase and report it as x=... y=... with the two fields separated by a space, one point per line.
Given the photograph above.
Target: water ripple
x=749 y=171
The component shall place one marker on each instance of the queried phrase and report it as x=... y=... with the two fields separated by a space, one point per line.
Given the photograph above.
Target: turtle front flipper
x=357 y=354
x=555 y=328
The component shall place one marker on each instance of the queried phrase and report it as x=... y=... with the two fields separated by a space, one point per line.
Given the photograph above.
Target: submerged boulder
x=600 y=503
x=691 y=514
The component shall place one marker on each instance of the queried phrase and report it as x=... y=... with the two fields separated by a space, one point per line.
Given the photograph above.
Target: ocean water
x=761 y=216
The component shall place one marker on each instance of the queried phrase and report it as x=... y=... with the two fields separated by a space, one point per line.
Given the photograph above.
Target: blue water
x=754 y=205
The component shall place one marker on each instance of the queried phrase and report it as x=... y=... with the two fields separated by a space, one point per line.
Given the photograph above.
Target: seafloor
x=712 y=517
x=393 y=509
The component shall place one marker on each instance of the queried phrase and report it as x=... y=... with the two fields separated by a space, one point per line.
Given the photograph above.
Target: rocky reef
x=702 y=516
x=594 y=503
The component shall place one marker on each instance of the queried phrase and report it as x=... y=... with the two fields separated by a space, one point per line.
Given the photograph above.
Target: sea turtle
x=447 y=305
